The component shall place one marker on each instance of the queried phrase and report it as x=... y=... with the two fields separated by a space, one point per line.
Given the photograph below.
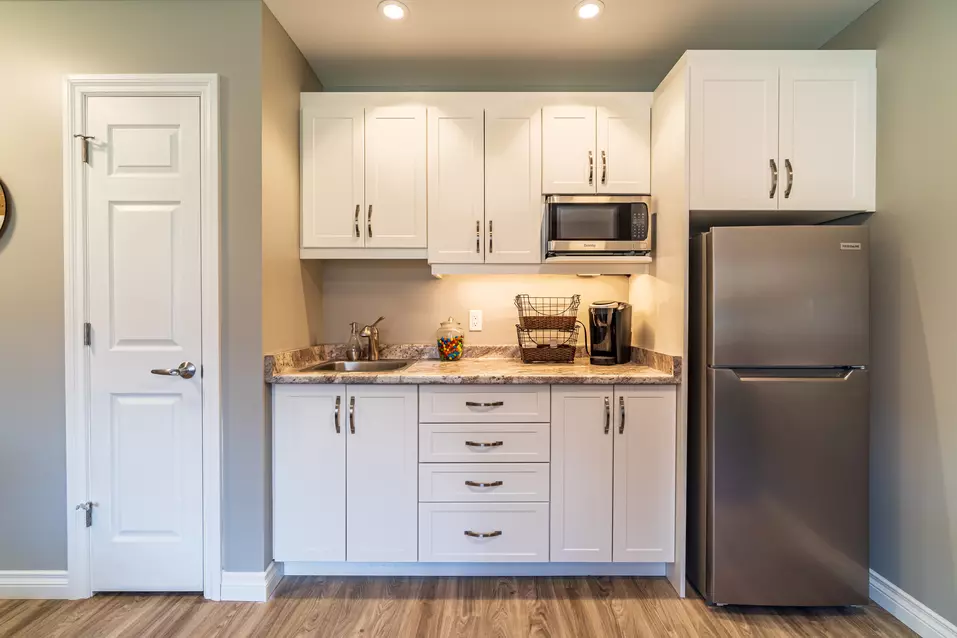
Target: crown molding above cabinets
x=458 y=178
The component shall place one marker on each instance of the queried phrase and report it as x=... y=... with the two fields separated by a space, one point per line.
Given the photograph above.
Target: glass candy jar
x=450 y=340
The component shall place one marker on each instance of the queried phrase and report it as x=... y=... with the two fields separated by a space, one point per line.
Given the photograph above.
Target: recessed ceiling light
x=588 y=9
x=393 y=9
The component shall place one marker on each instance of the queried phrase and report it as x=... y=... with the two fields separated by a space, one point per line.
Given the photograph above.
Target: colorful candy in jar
x=450 y=340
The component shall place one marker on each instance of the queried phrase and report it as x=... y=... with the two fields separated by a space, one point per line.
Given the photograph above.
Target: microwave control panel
x=639 y=224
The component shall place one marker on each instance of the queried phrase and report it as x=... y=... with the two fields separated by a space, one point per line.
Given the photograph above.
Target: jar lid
x=450 y=322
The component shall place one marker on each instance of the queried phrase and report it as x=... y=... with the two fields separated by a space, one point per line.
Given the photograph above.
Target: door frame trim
x=76 y=90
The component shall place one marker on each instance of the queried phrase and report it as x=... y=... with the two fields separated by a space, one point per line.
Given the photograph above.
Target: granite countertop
x=488 y=365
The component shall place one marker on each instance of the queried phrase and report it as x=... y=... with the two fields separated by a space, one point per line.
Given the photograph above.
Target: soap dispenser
x=354 y=346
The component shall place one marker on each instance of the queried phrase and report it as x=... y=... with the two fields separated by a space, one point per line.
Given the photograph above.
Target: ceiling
x=541 y=44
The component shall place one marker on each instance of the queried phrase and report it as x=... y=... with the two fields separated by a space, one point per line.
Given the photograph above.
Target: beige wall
x=414 y=302
x=913 y=297
x=291 y=287
x=40 y=43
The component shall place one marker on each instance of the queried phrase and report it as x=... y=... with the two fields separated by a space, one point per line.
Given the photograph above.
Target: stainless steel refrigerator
x=778 y=416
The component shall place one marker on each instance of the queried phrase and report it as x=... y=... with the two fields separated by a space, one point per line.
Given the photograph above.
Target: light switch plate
x=475 y=321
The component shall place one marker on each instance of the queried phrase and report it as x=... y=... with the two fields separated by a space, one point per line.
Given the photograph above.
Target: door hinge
x=88 y=508
x=88 y=334
x=85 y=146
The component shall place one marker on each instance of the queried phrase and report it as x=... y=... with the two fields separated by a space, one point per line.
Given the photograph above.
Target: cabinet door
x=513 y=183
x=568 y=150
x=332 y=176
x=734 y=138
x=624 y=148
x=645 y=449
x=456 y=185
x=382 y=473
x=309 y=473
x=827 y=137
x=396 y=177
x=581 y=493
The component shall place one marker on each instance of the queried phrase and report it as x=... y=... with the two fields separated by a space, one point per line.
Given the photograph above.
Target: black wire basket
x=547 y=313
x=547 y=346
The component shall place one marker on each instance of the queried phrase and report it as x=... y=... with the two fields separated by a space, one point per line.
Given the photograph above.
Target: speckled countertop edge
x=492 y=365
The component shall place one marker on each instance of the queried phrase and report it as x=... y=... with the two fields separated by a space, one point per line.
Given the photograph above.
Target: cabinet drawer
x=493 y=443
x=497 y=482
x=449 y=532
x=484 y=404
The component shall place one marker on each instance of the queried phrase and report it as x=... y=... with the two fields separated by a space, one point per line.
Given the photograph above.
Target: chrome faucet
x=371 y=333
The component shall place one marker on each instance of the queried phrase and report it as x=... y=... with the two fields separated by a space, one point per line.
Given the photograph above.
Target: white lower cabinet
x=345 y=473
x=483 y=532
x=613 y=474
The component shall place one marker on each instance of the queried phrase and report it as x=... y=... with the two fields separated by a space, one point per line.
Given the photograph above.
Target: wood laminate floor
x=426 y=607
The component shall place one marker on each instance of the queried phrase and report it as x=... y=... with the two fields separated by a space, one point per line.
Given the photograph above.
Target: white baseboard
x=291 y=568
x=35 y=584
x=252 y=587
x=921 y=619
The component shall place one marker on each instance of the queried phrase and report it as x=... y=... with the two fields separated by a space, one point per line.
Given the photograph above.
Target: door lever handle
x=186 y=370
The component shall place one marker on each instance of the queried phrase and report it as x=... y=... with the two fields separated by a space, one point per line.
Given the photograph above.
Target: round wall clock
x=3 y=210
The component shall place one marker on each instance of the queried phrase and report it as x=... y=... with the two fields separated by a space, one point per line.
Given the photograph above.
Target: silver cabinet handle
x=774 y=179
x=490 y=236
x=790 y=170
x=493 y=404
x=479 y=484
x=604 y=167
x=621 y=423
x=591 y=168
x=478 y=236
x=352 y=415
x=338 y=401
x=186 y=370
x=472 y=534
x=492 y=444
x=369 y=220
x=357 y=221
x=607 y=416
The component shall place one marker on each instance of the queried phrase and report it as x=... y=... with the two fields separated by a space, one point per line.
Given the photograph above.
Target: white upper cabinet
x=333 y=182
x=782 y=130
x=396 y=177
x=624 y=148
x=513 y=182
x=568 y=149
x=827 y=137
x=644 y=485
x=598 y=149
x=734 y=137
x=456 y=185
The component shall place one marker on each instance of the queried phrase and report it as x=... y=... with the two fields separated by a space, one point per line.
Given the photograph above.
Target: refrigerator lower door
x=788 y=502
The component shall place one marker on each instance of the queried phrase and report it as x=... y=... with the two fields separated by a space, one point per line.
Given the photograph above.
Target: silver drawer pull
x=472 y=534
x=478 y=484
x=492 y=444
x=493 y=404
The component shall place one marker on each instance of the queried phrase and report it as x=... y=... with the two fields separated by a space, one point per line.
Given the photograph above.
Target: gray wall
x=40 y=42
x=914 y=297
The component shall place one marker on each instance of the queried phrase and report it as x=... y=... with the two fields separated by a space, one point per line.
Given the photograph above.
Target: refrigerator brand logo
x=850 y=245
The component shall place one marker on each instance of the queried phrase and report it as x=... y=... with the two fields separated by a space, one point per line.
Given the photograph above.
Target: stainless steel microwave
x=598 y=226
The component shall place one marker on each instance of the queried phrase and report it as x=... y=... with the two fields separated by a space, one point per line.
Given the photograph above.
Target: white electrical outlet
x=475 y=321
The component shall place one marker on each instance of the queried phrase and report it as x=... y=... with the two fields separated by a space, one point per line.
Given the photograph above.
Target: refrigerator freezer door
x=789 y=495
x=788 y=296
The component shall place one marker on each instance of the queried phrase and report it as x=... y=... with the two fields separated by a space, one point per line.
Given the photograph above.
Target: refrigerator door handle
x=773 y=375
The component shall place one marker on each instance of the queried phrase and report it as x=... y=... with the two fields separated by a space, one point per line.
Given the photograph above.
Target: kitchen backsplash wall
x=413 y=301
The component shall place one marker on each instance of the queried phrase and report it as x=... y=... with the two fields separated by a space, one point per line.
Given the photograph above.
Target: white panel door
x=734 y=137
x=568 y=150
x=382 y=473
x=332 y=176
x=828 y=129
x=396 y=177
x=309 y=472
x=456 y=185
x=624 y=149
x=513 y=182
x=645 y=450
x=143 y=251
x=581 y=463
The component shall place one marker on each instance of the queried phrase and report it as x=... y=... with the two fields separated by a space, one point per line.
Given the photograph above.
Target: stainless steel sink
x=382 y=365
